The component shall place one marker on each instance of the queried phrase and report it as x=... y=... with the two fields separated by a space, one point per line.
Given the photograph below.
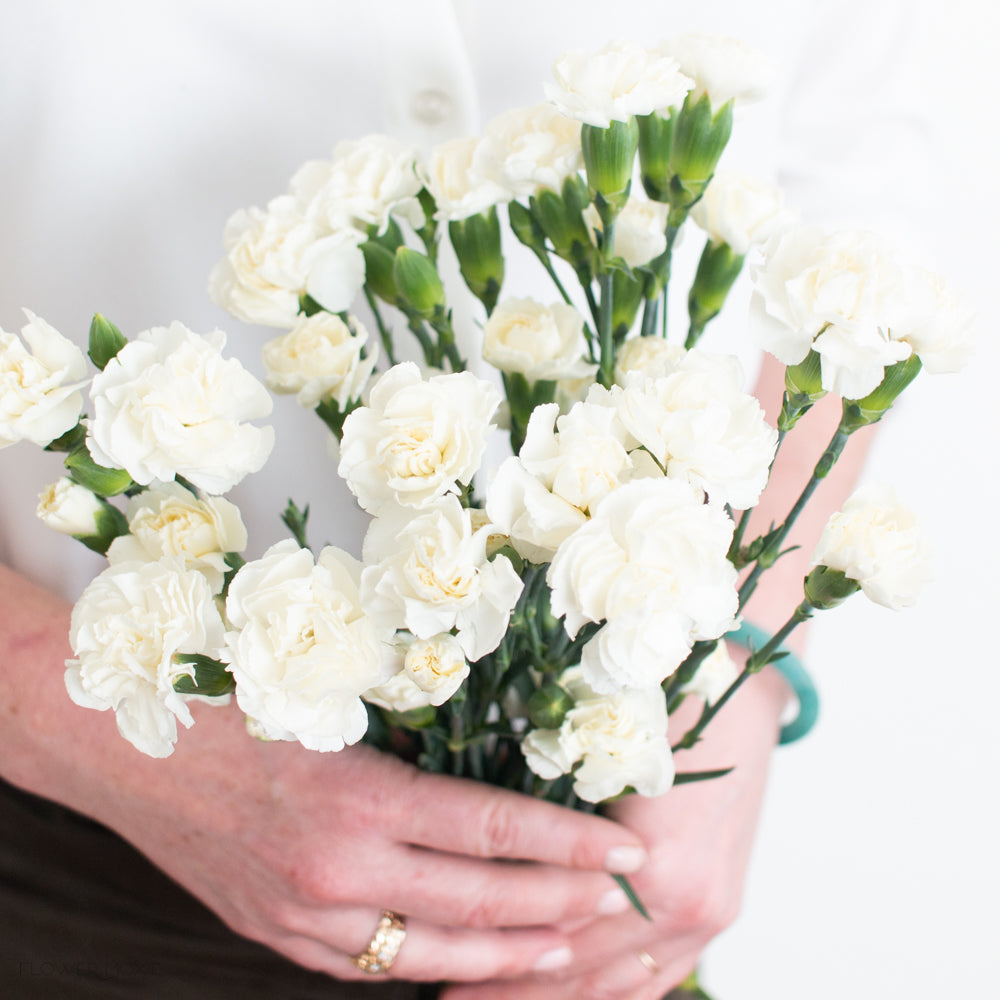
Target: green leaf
x=211 y=677
x=687 y=777
x=633 y=897
x=73 y=438
x=85 y=471
x=106 y=340
x=295 y=520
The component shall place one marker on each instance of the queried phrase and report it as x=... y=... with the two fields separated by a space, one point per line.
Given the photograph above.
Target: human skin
x=300 y=850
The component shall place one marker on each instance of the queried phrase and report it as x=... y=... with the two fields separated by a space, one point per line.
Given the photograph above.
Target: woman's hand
x=699 y=838
x=301 y=850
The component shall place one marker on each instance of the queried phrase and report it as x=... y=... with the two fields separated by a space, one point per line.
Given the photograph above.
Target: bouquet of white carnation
x=537 y=625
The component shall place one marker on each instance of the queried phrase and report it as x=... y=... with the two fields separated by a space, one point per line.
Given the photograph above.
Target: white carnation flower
x=416 y=440
x=567 y=465
x=168 y=520
x=700 y=426
x=432 y=671
x=320 y=358
x=69 y=508
x=528 y=149
x=429 y=573
x=877 y=541
x=615 y=83
x=40 y=396
x=939 y=326
x=456 y=182
x=364 y=183
x=647 y=357
x=741 y=211
x=301 y=647
x=640 y=229
x=724 y=68
x=539 y=342
x=652 y=563
x=608 y=742
x=126 y=630
x=275 y=256
x=169 y=404
x=838 y=294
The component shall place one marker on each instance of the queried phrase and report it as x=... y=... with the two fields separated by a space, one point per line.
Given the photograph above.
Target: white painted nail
x=622 y=860
x=613 y=901
x=558 y=958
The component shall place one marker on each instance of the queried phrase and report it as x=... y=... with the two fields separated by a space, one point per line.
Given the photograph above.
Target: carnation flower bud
x=69 y=508
x=418 y=282
x=608 y=155
x=826 y=588
x=656 y=139
x=803 y=387
x=476 y=240
x=873 y=407
x=718 y=269
x=548 y=706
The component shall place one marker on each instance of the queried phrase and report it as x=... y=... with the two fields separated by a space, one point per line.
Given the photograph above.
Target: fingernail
x=558 y=958
x=613 y=901
x=625 y=859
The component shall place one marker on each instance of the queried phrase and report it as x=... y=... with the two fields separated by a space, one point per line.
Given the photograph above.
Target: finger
x=456 y=890
x=475 y=819
x=429 y=952
x=640 y=974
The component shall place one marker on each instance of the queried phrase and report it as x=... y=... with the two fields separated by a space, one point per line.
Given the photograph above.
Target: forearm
x=780 y=587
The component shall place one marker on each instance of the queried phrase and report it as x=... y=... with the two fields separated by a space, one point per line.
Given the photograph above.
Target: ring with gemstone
x=383 y=948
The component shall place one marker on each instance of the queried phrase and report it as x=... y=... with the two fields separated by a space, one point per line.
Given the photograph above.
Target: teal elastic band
x=790 y=667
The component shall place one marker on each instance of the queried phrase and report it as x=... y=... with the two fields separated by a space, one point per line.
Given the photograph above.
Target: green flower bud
x=803 y=387
x=379 y=266
x=526 y=228
x=656 y=139
x=560 y=217
x=826 y=588
x=106 y=340
x=698 y=141
x=717 y=271
x=418 y=283
x=861 y=412
x=626 y=297
x=548 y=706
x=609 y=155
x=480 y=258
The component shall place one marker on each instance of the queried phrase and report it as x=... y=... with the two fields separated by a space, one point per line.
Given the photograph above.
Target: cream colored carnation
x=740 y=211
x=537 y=341
x=608 y=742
x=169 y=404
x=877 y=541
x=640 y=229
x=275 y=256
x=615 y=83
x=652 y=564
x=456 y=182
x=40 y=396
x=433 y=670
x=724 y=68
x=126 y=631
x=320 y=358
x=416 y=440
x=69 y=508
x=168 y=520
x=428 y=572
x=301 y=646
x=528 y=149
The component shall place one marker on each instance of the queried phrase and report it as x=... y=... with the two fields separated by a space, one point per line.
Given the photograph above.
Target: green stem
x=385 y=334
x=604 y=321
x=756 y=662
x=773 y=550
x=649 y=314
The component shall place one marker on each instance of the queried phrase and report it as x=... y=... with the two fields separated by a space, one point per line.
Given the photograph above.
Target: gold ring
x=648 y=961
x=384 y=946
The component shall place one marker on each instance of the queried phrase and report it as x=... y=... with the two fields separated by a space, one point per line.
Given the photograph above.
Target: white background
x=876 y=872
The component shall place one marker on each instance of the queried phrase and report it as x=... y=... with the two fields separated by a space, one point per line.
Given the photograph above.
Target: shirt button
x=432 y=106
